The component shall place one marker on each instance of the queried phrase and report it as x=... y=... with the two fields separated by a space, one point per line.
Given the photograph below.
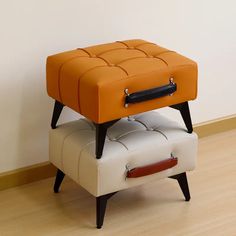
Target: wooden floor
x=157 y=208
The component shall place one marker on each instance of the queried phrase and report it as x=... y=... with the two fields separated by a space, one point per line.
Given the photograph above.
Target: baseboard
x=215 y=126
x=45 y=170
x=26 y=175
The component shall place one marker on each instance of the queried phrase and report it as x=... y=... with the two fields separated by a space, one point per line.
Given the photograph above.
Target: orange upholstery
x=92 y=80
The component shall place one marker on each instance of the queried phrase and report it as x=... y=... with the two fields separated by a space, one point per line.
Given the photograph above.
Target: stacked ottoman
x=115 y=147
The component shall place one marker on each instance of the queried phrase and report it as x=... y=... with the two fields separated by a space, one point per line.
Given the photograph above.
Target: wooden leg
x=101 y=131
x=183 y=183
x=185 y=113
x=59 y=178
x=101 y=203
x=56 y=113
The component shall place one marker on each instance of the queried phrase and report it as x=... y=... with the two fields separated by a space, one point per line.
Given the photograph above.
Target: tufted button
x=113 y=139
x=111 y=65
x=93 y=56
x=150 y=56
x=149 y=129
x=131 y=48
x=131 y=118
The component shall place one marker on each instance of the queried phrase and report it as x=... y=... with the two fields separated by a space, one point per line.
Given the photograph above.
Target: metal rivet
x=127 y=167
x=127 y=92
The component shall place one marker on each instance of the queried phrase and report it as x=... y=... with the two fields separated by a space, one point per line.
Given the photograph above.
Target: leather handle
x=149 y=94
x=152 y=168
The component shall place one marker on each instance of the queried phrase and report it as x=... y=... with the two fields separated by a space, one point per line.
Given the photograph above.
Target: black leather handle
x=149 y=94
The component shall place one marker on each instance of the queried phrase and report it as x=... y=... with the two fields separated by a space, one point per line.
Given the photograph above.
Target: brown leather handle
x=152 y=168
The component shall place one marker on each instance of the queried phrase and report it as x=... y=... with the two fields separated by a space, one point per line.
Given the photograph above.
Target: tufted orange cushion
x=92 y=80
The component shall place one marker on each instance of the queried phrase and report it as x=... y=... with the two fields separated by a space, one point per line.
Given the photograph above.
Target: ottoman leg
x=185 y=113
x=59 y=178
x=183 y=183
x=101 y=203
x=56 y=113
x=101 y=131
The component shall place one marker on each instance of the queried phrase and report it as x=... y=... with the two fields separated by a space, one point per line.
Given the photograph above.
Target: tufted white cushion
x=136 y=141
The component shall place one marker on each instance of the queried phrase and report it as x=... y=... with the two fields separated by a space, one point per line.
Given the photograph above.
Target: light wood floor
x=153 y=209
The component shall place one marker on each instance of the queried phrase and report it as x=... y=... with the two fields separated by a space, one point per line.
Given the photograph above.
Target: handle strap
x=152 y=168
x=149 y=94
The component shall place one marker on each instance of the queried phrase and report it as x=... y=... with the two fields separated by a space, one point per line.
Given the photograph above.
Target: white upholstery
x=142 y=139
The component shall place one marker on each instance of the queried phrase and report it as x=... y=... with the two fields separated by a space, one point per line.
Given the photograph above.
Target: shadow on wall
x=33 y=123
x=34 y=120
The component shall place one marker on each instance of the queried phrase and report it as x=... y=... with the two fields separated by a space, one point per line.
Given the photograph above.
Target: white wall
x=32 y=29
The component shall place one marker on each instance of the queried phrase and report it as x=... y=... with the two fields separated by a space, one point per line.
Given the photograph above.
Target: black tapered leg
x=59 y=178
x=101 y=131
x=56 y=113
x=101 y=203
x=185 y=113
x=183 y=183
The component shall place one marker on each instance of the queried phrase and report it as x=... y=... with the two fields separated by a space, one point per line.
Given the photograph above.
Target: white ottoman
x=137 y=150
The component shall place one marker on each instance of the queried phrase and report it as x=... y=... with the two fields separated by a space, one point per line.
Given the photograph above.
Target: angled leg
x=101 y=203
x=59 y=178
x=185 y=113
x=56 y=113
x=183 y=183
x=101 y=131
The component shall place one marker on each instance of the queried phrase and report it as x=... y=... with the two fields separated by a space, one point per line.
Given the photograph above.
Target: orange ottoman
x=107 y=82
